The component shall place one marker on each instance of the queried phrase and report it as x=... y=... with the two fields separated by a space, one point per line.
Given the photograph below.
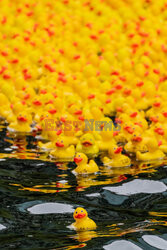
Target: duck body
x=82 y=221
x=116 y=159
x=148 y=156
x=154 y=153
x=83 y=167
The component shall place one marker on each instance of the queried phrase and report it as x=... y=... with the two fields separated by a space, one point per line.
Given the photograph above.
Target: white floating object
x=51 y=208
x=138 y=186
x=2 y=227
x=155 y=241
x=122 y=245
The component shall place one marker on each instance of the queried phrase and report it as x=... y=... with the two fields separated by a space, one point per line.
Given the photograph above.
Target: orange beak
x=153 y=119
x=118 y=150
x=80 y=216
x=127 y=91
x=37 y=103
x=78 y=112
x=164 y=114
x=52 y=111
x=129 y=129
x=134 y=114
x=59 y=144
x=87 y=143
x=22 y=119
x=157 y=104
x=159 y=131
x=77 y=159
x=137 y=139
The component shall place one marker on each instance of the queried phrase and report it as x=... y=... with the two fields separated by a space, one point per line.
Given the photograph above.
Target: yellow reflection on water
x=58 y=187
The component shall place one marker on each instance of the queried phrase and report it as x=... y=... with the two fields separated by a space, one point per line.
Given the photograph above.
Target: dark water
x=38 y=197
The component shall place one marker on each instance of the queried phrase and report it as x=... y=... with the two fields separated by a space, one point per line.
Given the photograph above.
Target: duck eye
x=81 y=211
x=76 y=212
x=62 y=141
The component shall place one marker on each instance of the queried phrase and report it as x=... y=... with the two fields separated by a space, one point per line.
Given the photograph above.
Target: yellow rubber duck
x=88 y=145
x=116 y=159
x=63 y=151
x=82 y=221
x=154 y=153
x=22 y=123
x=106 y=134
x=136 y=144
x=83 y=166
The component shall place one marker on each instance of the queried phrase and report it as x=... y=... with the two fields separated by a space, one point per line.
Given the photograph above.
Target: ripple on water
x=155 y=241
x=138 y=186
x=122 y=244
x=51 y=208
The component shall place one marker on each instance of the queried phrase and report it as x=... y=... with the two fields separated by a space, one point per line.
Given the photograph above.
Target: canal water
x=38 y=197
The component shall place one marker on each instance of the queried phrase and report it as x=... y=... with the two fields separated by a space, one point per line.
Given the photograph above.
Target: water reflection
x=128 y=201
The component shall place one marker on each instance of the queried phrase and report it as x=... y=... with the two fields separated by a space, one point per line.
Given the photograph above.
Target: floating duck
x=87 y=145
x=154 y=153
x=116 y=159
x=83 y=166
x=82 y=221
x=63 y=151
x=136 y=144
x=22 y=123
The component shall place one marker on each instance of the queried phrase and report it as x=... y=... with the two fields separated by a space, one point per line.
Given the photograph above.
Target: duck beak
x=77 y=159
x=37 y=103
x=127 y=91
x=138 y=124
x=27 y=96
x=22 y=119
x=52 y=111
x=59 y=132
x=59 y=144
x=157 y=104
x=62 y=119
x=159 y=131
x=129 y=129
x=153 y=119
x=134 y=114
x=78 y=112
x=80 y=216
x=118 y=150
x=87 y=143
x=164 y=114
x=137 y=139
x=115 y=133
x=49 y=102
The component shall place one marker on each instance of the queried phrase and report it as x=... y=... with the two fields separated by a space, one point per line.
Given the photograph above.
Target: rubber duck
x=136 y=144
x=82 y=221
x=106 y=134
x=83 y=166
x=116 y=159
x=22 y=123
x=154 y=153
x=63 y=151
x=88 y=145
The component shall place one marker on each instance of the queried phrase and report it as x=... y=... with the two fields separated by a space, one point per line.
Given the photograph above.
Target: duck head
x=80 y=214
x=23 y=117
x=115 y=150
x=61 y=143
x=87 y=140
x=80 y=158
